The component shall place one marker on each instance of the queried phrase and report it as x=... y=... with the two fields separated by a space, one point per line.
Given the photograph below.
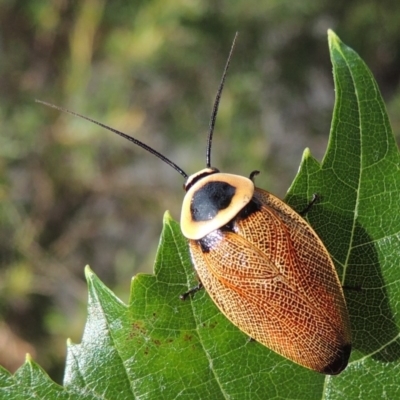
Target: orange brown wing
x=273 y=279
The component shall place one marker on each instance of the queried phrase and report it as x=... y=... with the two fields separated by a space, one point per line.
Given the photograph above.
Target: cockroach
x=261 y=263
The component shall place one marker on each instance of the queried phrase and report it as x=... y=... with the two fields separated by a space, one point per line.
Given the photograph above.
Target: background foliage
x=72 y=194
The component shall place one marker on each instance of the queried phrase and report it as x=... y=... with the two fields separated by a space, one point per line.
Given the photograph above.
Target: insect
x=261 y=263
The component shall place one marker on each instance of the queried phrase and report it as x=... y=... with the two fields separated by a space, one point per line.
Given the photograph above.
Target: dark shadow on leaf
x=371 y=315
x=372 y=320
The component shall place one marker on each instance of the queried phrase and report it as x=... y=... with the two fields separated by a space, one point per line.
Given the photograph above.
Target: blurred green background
x=74 y=194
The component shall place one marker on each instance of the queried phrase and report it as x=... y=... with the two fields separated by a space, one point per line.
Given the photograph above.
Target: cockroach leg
x=253 y=174
x=315 y=198
x=357 y=288
x=191 y=291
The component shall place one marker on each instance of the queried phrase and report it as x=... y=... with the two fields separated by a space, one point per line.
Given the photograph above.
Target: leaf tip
x=306 y=154
x=331 y=33
x=333 y=39
x=28 y=358
x=88 y=272
x=167 y=217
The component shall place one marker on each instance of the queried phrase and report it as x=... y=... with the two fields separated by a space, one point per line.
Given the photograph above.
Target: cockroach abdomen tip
x=340 y=362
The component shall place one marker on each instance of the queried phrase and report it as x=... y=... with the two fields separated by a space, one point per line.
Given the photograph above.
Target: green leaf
x=358 y=219
x=159 y=347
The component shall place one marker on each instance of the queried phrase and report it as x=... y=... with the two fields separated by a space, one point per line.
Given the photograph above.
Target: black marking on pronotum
x=211 y=198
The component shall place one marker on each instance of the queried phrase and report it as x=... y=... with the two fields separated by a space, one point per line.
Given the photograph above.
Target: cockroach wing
x=272 y=277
